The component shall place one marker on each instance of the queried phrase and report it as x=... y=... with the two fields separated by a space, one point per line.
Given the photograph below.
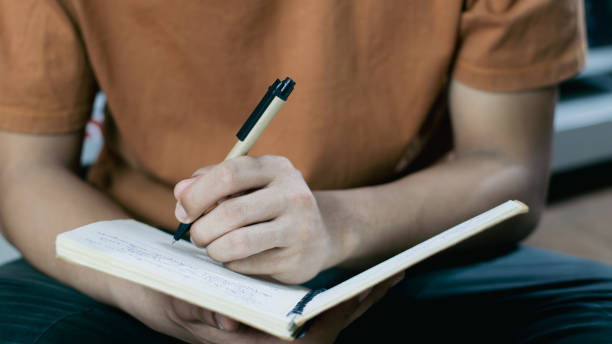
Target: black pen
x=257 y=122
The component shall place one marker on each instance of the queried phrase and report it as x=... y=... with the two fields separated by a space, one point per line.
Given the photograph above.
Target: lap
x=527 y=295
x=37 y=309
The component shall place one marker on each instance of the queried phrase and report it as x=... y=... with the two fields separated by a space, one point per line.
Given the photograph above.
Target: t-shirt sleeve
x=46 y=83
x=513 y=45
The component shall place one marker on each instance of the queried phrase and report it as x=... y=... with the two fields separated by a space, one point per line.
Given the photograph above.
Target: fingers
x=191 y=313
x=259 y=206
x=205 y=326
x=223 y=180
x=276 y=263
x=226 y=323
x=265 y=263
x=182 y=185
x=260 y=217
x=247 y=241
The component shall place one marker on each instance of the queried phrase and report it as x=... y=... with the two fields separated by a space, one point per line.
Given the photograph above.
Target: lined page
x=135 y=248
x=415 y=254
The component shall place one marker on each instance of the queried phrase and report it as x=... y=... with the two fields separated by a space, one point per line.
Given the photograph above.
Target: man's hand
x=262 y=218
x=194 y=324
x=172 y=316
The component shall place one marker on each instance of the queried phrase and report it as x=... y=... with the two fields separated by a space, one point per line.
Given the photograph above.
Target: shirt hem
x=26 y=121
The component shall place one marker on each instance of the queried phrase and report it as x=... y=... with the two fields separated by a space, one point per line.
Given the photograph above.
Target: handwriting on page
x=176 y=266
x=142 y=253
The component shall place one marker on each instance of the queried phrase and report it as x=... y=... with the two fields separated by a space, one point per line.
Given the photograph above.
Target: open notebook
x=137 y=252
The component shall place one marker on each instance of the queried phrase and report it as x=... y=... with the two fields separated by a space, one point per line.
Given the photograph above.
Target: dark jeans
x=524 y=296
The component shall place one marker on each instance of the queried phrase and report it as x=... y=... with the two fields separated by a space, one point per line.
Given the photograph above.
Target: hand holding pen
x=273 y=227
x=254 y=126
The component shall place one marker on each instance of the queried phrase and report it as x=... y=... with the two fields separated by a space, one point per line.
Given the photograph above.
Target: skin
x=502 y=149
x=277 y=223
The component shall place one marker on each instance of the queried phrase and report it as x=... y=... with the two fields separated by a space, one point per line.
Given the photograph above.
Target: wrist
x=343 y=222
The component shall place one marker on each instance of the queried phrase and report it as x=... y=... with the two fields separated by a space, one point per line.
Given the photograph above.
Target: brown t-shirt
x=181 y=77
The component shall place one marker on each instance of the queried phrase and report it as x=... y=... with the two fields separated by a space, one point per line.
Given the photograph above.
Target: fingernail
x=180 y=213
x=225 y=323
x=219 y=320
x=181 y=186
x=363 y=295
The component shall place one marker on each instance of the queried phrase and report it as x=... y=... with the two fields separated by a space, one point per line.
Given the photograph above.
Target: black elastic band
x=299 y=307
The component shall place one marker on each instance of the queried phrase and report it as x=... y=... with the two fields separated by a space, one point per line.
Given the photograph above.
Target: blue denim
x=525 y=295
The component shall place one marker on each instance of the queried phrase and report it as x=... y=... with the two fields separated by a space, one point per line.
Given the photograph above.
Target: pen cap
x=277 y=89
x=285 y=88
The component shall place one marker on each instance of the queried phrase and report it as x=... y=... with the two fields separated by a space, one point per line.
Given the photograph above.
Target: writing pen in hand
x=257 y=122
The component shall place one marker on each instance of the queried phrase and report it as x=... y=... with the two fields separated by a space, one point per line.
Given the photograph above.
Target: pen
x=250 y=131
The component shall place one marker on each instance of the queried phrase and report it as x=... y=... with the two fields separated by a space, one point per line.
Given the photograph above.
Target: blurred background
x=578 y=219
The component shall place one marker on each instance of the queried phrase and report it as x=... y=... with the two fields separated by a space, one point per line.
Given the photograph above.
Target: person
x=407 y=118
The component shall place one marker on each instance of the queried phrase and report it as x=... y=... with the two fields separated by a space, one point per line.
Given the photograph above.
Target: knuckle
x=302 y=198
x=248 y=160
x=257 y=162
x=298 y=174
x=280 y=162
x=284 y=163
x=234 y=210
x=226 y=173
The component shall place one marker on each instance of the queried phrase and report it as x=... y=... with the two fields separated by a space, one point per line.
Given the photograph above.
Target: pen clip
x=277 y=89
x=259 y=110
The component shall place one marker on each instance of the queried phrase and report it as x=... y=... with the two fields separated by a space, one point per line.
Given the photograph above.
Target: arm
x=502 y=151
x=42 y=196
x=502 y=148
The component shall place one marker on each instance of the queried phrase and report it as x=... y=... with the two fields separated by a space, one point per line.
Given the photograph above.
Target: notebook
x=143 y=254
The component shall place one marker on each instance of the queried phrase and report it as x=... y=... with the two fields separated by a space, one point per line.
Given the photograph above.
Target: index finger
x=223 y=180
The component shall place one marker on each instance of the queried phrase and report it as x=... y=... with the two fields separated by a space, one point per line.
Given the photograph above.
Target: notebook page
x=411 y=256
x=147 y=250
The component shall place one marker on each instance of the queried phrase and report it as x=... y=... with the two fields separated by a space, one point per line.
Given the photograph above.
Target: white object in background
x=7 y=252
x=94 y=139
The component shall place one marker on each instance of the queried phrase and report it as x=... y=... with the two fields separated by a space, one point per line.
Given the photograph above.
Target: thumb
x=182 y=185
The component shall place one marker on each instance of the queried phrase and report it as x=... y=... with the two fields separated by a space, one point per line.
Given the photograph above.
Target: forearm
x=502 y=145
x=40 y=201
x=375 y=222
